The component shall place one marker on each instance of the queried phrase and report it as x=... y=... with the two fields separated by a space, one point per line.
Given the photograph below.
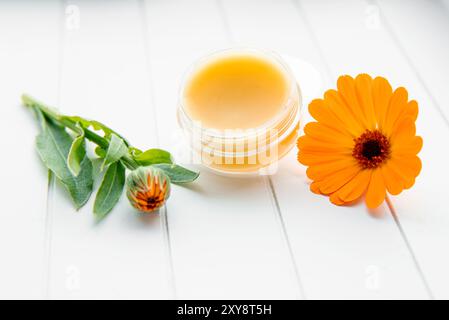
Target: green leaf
x=77 y=153
x=96 y=125
x=176 y=173
x=153 y=156
x=100 y=126
x=117 y=149
x=40 y=117
x=134 y=151
x=53 y=145
x=110 y=190
x=99 y=151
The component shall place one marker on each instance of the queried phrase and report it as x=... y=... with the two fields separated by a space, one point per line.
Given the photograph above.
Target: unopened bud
x=147 y=188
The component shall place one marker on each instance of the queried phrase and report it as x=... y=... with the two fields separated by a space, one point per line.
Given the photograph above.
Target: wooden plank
x=340 y=252
x=104 y=77
x=354 y=44
x=226 y=238
x=425 y=43
x=28 y=62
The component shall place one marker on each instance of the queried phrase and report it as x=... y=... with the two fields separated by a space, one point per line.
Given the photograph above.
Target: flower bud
x=147 y=188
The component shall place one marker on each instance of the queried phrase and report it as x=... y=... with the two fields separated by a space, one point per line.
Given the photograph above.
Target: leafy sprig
x=65 y=155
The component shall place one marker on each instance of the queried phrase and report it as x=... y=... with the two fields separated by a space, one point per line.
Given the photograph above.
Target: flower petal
x=407 y=174
x=347 y=91
x=409 y=183
x=307 y=143
x=412 y=110
x=309 y=159
x=338 y=179
x=411 y=147
x=315 y=187
x=335 y=199
x=321 y=171
x=321 y=113
x=410 y=165
x=343 y=113
x=327 y=134
x=403 y=131
x=355 y=188
x=382 y=93
x=396 y=107
x=393 y=182
x=376 y=193
x=363 y=84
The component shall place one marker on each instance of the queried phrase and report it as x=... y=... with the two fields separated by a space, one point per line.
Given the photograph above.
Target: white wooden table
x=121 y=62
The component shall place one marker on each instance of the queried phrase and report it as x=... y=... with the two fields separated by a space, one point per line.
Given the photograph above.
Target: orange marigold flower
x=363 y=141
x=147 y=188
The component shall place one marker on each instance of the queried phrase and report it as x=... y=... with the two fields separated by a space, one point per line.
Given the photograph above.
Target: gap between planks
x=286 y=238
x=48 y=219
x=409 y=246
x=164 y=210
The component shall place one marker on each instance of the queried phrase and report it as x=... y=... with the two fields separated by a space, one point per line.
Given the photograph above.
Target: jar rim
x=214 y=133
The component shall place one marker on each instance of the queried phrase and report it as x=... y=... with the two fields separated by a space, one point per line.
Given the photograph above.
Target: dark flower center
x=371 y=149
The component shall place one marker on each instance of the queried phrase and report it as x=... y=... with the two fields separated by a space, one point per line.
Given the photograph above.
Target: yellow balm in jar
x=240 y=110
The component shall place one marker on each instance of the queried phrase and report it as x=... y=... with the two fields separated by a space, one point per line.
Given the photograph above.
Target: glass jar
x=248 y=151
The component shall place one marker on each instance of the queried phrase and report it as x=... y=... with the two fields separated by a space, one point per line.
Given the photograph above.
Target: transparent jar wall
x=235 y=164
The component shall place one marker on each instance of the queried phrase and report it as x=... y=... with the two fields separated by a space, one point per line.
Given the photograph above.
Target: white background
x=121 y=62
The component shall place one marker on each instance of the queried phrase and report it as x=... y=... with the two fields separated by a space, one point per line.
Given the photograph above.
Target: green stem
x=51 y=113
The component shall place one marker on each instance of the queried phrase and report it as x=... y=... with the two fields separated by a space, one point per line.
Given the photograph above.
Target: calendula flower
x=147 y=188
x=363 y=141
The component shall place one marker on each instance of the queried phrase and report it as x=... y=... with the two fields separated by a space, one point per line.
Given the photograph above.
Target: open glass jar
x=240 y=111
